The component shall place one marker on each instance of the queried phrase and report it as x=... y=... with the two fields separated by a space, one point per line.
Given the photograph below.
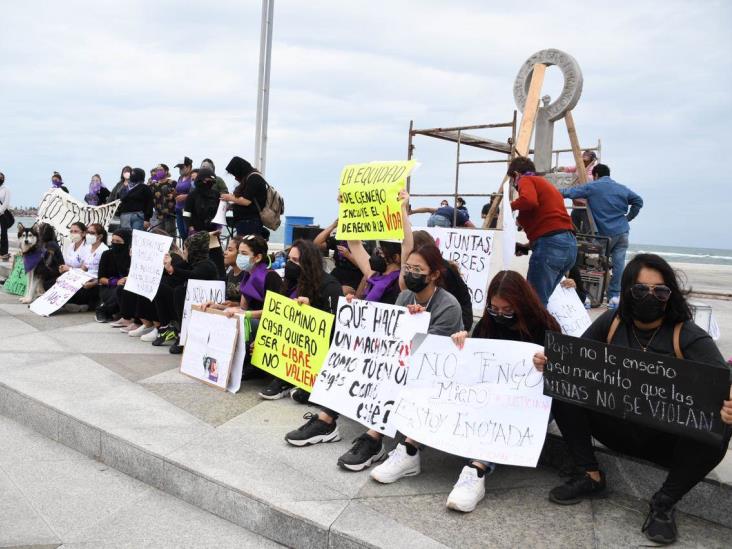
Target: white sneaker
x=613 y=303
x=129 y=328
x=150 y=336
x=399 y=464
x=141 y=331
x=468 y=491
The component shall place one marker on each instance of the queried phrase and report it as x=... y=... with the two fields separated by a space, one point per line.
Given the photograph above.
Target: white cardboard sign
x=483 y=402
x=57 y=295
x=565 y=305
x=146 y=266
x=209 y=351
x=471 y=249
x=366 y=366
x=198 y=292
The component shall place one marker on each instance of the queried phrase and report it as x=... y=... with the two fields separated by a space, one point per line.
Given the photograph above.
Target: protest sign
x=565 y=305
x=471 y=249
x=366 y=366
x=209 y=352
x=292 y=340
x=57 y=295
x=482 y=402
x=146 y=267
x=17 y=282
x=663 y=392
x=59 y=209
x=197 y=292
x=369 y=206
x=220 y=217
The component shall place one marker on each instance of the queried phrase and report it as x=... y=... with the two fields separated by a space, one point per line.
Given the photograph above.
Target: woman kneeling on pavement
x=654 y=316
x=514 y=313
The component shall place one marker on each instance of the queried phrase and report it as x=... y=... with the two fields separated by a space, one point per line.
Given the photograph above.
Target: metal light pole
x=265 y=62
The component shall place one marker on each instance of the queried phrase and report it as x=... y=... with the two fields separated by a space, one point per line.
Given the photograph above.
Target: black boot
x=176 y=348
x=660 y=524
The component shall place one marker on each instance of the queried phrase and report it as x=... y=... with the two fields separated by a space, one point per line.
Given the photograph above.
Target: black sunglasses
x=659 y=291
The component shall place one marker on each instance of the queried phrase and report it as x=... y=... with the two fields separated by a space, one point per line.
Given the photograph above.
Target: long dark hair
x=100 y=230
x=311 y=269
x=432 y=256
x=677 y=308
x=121 y=177
x=532 y=318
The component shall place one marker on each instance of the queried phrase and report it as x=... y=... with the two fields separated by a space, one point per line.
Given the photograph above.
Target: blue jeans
x=617 y=248
x=439 y=221
x=132 y=220
x=182 y=224
x=551 y=258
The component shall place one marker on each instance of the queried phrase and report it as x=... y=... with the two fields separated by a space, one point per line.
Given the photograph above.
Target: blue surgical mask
x=244 y=262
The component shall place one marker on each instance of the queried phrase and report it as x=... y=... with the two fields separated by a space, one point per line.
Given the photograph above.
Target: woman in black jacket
x=136 y=206
x=202 y=202
x=249 y=197
x=114 y=266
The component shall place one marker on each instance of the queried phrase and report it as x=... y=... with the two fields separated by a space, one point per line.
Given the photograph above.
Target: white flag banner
x=198 y=292
x=509 y=228
x=57 y=295
x=471 y=250
x=146 y=266
x=483 y=402
x=565 y=305
x=60 y=210
x=366 y=366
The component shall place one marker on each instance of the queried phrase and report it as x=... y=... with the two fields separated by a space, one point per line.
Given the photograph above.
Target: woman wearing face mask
x=124 y=178
x=57 y=182
x=514 y=313
x=136 y=207
x=98 y=193
x=76 y=250
x=202 y=202
x=96 y=244
x=169 y=301
x=114 y=265
x=234 y=272
x=654 y=316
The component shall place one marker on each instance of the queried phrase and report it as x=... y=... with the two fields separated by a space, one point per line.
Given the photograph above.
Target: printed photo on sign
x=482 y=402
x=366 y=367
x=565 y=305
x=57 y=295
x=663 y=392
x=197 y=292
x=369 y=200
x=292 y=340
x=209 y=353
x=471 y=250
x=146 y=266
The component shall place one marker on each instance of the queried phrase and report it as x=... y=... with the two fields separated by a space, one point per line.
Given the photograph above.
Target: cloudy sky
x=89 y=86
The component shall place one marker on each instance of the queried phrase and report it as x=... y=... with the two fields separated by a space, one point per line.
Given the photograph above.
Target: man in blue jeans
x=609 y=203
x=544 y=219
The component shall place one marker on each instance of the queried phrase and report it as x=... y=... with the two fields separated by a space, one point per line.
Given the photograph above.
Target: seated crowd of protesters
x=653 y=315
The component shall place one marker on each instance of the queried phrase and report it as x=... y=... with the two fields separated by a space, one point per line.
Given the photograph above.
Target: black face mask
x=377 y=264
x=292 y=272
x=648 y=309
x=415 y=282
x=505 y=321
x=118 y=248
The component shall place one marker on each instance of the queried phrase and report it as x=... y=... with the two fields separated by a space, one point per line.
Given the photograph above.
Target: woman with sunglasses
x=514 y=313
x=653 y=316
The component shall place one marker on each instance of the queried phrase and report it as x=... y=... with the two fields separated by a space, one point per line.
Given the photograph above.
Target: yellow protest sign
x=370 y=207
x=292 y=340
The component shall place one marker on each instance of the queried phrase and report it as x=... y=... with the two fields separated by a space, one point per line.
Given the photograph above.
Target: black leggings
x=135 y=306
x=86 y=296
x=169 y=303
x=687 y=460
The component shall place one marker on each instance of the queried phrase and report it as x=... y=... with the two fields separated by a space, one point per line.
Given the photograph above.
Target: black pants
x=169 y=302
x=135 y=306
x=687 y=460
x=86 y=296
x=251 y=225
x=581 y=221
x=108 y=299
x=3 y=239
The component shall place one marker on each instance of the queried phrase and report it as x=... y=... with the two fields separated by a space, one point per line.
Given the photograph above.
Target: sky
x=90 y=86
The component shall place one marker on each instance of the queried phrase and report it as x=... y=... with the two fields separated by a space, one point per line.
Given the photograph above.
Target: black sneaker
x=660 y=524
x=300 y=396
x=165 y=337
x=176 y=348
x=313 y=432
x=578 y=488
x=365 y=451
x=275 y=390
x=100 y=315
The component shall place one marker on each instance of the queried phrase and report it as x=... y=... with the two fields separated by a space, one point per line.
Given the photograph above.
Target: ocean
x=673 y=254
